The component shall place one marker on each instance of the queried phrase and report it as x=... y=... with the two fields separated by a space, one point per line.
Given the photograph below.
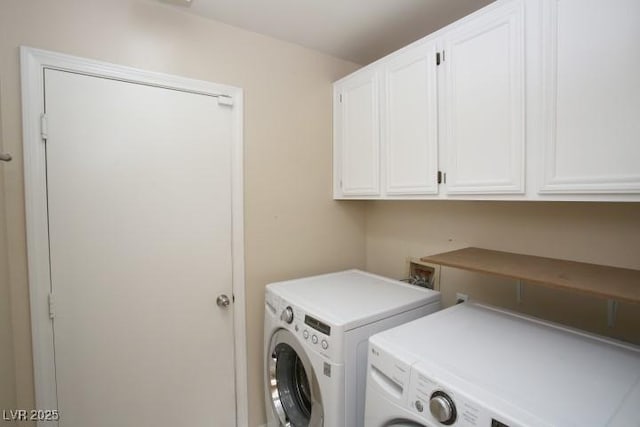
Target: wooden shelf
x=620 y=284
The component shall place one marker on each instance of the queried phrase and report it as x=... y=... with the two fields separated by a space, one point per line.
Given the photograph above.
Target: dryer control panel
x=425 y=391
x=434 y=400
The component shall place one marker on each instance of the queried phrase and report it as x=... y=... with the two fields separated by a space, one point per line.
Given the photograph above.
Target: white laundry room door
x=140 y=238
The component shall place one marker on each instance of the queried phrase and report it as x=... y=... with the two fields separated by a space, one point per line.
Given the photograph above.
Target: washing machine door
x=293 y=386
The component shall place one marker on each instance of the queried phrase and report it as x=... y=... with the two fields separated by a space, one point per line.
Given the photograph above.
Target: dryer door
x=292 y=383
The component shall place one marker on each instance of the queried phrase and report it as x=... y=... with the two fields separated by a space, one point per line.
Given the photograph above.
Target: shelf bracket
x=519 y=291
x=612 y=311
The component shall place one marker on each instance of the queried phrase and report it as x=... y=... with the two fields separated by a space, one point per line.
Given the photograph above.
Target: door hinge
x=225 y=100
x=439 y=177
x=52 y=307
x=44 y=126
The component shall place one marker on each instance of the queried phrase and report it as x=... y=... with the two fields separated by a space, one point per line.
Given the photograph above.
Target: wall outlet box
x=460 y=297
x=423 y=274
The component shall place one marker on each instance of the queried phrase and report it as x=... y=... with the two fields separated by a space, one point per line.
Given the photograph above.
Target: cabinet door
x=483 y=103
x=357 y=135
x=409 y=122
x=591 y=96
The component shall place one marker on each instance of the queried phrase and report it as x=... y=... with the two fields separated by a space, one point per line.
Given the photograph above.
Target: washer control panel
x=287 y=315
x=314 y=332
x=311 y=331
x=317 y=325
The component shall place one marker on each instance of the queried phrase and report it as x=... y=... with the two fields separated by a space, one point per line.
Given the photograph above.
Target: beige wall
x=292 y=226
x=600 y=233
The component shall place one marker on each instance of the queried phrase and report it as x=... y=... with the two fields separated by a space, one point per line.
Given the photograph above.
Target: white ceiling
x=360 y=31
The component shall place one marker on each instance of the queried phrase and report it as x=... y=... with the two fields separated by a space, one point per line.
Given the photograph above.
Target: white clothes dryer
x=316 y=332
x=477 y=366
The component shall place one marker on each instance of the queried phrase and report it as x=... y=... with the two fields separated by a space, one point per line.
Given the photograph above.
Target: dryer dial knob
x=442 y=408
x=287 y=315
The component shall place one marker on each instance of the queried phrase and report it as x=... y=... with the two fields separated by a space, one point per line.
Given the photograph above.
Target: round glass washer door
x=293 y=387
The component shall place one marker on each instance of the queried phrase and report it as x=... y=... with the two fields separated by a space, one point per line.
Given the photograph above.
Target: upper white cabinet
x=483 y=133
x=449 y=114
x=521 y=100
x=357 y=129
x=591 y=52
x=410 y=122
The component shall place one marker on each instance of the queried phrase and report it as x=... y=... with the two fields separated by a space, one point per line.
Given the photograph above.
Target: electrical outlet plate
x=428 y=272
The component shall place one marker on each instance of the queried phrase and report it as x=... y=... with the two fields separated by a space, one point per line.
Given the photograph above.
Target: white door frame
x=33 y=64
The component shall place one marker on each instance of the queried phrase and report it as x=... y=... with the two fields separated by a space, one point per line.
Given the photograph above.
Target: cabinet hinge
x=340 y=97
x=439 y=177
x=439 y=57
x=44 y=126
x=52 y=307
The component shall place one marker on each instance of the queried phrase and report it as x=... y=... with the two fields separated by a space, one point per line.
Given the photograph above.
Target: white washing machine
x=473 y=365
x=316 y=332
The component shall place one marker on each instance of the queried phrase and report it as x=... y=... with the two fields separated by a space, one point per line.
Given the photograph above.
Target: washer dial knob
x=287 y=315
x=442 y=408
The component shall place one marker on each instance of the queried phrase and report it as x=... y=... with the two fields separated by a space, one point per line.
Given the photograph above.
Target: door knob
x=223 y=301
